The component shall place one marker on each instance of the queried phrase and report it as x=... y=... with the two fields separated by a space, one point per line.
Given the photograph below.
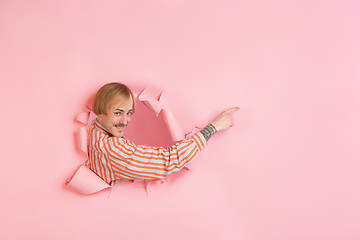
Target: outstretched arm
x=222 y=122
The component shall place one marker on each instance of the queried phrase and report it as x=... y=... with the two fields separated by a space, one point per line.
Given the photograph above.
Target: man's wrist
x=208 y=131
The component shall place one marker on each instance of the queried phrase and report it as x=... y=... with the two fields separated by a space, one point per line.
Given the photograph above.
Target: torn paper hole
x=85 y=181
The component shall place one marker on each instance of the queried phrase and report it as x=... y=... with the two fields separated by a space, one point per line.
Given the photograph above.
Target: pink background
x=288 y=169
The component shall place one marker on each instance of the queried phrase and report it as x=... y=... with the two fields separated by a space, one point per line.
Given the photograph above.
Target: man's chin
x=118 y=134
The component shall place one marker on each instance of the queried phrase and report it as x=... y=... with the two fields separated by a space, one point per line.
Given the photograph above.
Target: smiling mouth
x=120 y=126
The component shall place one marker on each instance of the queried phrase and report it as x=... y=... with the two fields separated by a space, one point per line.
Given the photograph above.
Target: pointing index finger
x=232 y=110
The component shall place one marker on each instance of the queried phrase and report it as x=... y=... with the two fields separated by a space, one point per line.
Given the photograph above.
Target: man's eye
x=117 y=113
x=129 y=114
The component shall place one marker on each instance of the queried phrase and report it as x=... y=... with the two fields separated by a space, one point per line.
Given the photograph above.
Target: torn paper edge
x=85 y=181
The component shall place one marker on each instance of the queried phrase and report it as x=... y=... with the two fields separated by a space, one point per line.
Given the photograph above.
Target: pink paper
x=154 y=103
x=83 y=117
x=86 y=181
x=173 y=125
x=81 y=139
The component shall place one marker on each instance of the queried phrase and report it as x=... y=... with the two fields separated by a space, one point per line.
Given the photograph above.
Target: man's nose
x=124 y=119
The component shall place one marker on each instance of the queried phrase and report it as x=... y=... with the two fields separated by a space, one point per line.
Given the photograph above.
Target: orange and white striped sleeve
x=130 y=161
x=115 y=158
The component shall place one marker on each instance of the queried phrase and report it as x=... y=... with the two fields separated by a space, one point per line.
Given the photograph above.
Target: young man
x=112 y=157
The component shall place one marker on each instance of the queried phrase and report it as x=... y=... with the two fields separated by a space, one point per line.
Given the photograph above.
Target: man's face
x=118 y=117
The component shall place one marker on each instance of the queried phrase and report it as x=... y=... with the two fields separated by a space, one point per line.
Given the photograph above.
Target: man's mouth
x=120 y=126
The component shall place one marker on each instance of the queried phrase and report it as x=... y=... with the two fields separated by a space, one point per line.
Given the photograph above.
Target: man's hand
x=225 y=119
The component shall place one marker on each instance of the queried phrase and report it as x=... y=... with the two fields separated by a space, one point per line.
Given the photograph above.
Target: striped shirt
x=113 y=158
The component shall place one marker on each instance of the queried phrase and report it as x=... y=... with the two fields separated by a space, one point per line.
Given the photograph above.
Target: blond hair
x=106 y=95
